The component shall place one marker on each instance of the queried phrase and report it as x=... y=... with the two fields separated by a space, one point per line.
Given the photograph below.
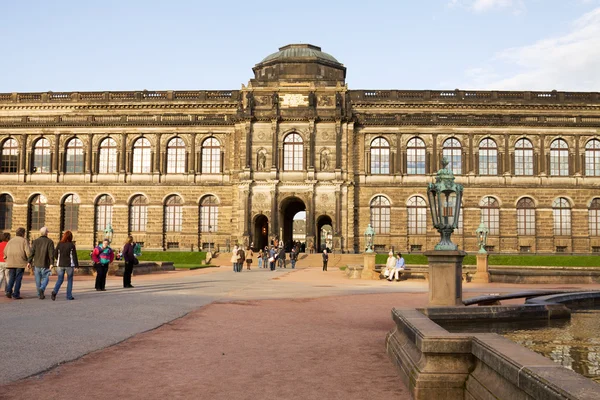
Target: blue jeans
x=14 y=281
x=259 y=262
x=42 y=275
x=293 y=263
x=60 y=272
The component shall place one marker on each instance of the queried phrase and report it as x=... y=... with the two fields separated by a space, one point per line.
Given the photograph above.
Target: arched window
x=453 y=153
x=176 y=156
x=142 y=151
x=6 y=206
x=561 y=210
x=525 y=217
x=592 y=158
x=9 y=156
x=104 y=209
x=37 y=212
x=380 y=156
x=209 y=213
x=41 y=156
x=108 y=157
x=415 y=157
x=380 y=215
x=417 y=215
x=559 y=158
x=523 y=157
x=70 y=213
x=173 y=214
x=138 y=214
x=74 y=157
x=293 y=152
x=594 y=217
x=488 y=157
x=211 y=156
x=490 y=214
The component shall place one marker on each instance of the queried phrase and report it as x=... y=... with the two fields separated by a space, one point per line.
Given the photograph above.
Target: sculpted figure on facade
x=262 y=161
x=325 y=161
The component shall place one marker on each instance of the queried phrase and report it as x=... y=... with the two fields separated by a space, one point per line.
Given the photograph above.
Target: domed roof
x=293 y=52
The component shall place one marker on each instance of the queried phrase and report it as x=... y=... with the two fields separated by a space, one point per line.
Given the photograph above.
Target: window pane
x=138 y=214
x=141 y=156
x=417 y=216
x=380 y=215
x=209 y=213
x=211 y=156
x=488 y=157
x=176 y=156
x=37 y=208
x=6 y=206
x=173 y=214
x=74 y=157
x=453 y=153
x=293 y=149
x=490 y=213
x=592 y=158
x=108 y=157
x=9 y=156
x=523 y=157
x=559 y=158
x=41 y=156
x=380 y=156
x=104 y=209
x=71 y=213
x=415 y=157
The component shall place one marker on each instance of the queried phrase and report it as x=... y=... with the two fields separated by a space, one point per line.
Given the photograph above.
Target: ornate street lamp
x=108 y=233
x=445 y=198
x=369 y=239
x=482 y=234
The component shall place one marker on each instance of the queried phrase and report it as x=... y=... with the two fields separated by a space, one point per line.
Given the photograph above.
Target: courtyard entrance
x=324 y=234
x=293 y=217
x=261 y=232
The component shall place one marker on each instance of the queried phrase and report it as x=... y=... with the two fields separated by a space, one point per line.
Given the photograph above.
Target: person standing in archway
x=325 y=259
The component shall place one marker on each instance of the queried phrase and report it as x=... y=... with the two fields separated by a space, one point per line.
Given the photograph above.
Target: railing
x=372 y=96
x=227 y=96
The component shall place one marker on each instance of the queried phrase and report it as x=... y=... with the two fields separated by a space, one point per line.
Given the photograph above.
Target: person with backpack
x=65 y=254
x=102 y=256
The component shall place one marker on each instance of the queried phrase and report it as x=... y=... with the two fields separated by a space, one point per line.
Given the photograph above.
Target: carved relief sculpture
x=262 y=161
x=325 y=161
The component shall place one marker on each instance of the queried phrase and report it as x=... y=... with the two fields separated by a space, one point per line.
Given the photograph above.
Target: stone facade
x=260 y=177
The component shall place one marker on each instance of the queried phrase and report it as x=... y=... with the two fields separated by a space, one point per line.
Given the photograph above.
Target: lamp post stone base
x=483 y=274
x=445 y=277
x=368 y=266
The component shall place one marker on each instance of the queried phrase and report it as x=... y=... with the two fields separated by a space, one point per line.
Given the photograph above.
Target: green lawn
x=181 y=259
x=516 y=259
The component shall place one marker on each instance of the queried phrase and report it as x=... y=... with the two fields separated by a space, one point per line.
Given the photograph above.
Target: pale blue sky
x=68 y=45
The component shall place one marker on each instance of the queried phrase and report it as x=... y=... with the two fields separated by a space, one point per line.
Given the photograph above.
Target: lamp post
x=445 y=260
x=369 y=239
x=369 y=257
x=483 y=274
x=108 y=233
x=445 y=197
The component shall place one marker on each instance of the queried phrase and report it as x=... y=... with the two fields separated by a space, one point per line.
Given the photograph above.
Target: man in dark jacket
x=281 y=257
x=42 y=255
x=240 y=263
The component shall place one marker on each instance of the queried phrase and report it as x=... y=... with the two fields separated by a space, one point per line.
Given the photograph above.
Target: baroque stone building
x=182 y=169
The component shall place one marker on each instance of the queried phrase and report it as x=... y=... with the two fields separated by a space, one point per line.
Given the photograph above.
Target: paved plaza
x=298 y=333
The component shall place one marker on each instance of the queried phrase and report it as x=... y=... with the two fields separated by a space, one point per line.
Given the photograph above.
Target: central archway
x=293 y=215
x=261 y=232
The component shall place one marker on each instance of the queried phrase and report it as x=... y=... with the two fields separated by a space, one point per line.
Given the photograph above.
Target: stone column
x=577 y=158
x=542 y=155
x=89 y=160
x=311 y=139
x=192 y=159
x=338 y=144
x=274 y=149
x=368 y=266
x=445 y=277
x=483 y=274
x=274 y=223
x=398 y=154
x=471 y=163
x=507 y=169
x=338 y=212
x=245 y=201
x=123 y=153
x=57 y=155
x=434 y=156
x=23 y=153
x=157 y=158
x=248 y=132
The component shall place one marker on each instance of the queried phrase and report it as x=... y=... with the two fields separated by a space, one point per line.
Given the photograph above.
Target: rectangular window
x=172 y=245
x=416 y=248
x=417 y=220
x=174 y=218
x=561 y=249
x=139 y=217
x=415 y=162
x=206 y=246
x=526 y=221
x=524 y=162
x=379 y=248
x=491 y=218
x=524 y=249
x=71 y=215
x=488 y=162
x=595 y=249
x=489 y=249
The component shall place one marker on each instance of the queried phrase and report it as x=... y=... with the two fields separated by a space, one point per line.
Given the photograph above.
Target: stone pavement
x=38 y=335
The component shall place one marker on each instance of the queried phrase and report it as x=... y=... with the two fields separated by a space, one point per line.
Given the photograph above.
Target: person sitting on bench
x=398 y=268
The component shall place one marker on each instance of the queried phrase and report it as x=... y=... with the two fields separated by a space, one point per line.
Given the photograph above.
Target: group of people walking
x=16 y=254
x=272 y=257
